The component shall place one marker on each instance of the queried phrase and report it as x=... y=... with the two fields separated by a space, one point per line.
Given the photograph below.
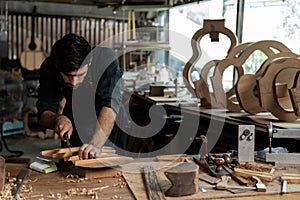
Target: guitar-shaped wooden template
x=32 y=57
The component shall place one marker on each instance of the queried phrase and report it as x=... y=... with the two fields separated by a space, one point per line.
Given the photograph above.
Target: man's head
x=72 y=57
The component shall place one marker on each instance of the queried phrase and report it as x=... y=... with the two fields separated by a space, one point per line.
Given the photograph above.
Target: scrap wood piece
x=249 y=173
x=237 y=178
x=209 y=179
x=153 y=187
x=103 y=162
x=290 y=178
x=173 y=158
x=60 y=153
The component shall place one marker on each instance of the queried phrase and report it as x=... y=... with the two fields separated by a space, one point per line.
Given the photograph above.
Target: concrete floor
x=30 y=146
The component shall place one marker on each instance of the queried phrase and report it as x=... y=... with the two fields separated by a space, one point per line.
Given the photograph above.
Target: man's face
x=75 y=78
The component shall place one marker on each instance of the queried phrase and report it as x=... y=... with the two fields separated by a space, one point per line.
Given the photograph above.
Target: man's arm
x=59 y=123
x=106 y=120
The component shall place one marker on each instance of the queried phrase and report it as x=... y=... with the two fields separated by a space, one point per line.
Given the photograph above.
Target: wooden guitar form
x=208 y=100
x=247 y=89
x=231 y=102
x=274 y=84
x=213 y=28
x=32 y=57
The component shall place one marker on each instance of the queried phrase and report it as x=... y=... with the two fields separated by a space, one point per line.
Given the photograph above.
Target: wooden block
x=184 y=178
x=291 y=178
x=2 y=173
x=209 y=179
x=249 y=173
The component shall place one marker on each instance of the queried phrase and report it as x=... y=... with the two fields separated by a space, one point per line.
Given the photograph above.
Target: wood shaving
x=254 y=167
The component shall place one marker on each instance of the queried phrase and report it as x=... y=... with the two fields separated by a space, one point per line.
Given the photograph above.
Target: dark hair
x=71 y=52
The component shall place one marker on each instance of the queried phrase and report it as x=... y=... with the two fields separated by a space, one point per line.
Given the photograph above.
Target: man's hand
x=89 y=151
x=63 y=125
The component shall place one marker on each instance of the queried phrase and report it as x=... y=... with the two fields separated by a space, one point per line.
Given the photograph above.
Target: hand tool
x=19 y=182
x=66 y=137
x=223 y=185
x=260 y=187
x=284 y=186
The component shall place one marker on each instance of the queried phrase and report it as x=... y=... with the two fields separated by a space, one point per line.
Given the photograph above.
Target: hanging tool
x=18 y=183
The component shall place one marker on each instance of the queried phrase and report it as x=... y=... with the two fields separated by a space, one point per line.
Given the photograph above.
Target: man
x=89 y=81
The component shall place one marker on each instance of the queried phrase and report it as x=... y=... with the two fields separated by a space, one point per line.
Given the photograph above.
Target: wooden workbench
x=56 y=185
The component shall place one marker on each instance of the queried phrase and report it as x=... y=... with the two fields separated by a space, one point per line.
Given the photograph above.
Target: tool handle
x=223 y=184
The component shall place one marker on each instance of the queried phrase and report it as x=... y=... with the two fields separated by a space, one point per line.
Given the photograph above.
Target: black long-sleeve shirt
x=101 y=87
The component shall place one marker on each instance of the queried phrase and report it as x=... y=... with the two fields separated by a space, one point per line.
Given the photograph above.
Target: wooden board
x=61 y=153
x=103 y=162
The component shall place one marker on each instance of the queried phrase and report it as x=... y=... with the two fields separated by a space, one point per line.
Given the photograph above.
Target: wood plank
x=291 y=178
x=61 y=153
x=249 y=173
x=103 y=162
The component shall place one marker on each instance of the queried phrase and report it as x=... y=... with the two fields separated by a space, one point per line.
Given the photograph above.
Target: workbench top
x=58 y=185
